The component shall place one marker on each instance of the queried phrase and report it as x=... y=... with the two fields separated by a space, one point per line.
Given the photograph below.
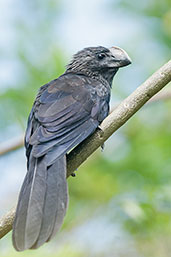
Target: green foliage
x=155 y=9
x=135 y=187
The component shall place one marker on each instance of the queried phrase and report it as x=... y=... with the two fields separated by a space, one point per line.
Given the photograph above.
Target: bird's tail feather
x=42 y=203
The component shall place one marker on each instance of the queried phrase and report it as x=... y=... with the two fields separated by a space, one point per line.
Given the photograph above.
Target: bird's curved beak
x=120 y=57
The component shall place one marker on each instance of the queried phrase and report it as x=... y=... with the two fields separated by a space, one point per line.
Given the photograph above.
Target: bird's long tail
x=42 y=203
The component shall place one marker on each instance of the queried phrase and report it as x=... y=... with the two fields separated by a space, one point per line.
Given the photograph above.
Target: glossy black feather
x=66 y=111
x=63 y=115
x=54 y=209
x=27 y=221
x=69 y=120
x=61 y=118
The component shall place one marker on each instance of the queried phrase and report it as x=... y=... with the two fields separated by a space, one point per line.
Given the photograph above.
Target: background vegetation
x=120 y=200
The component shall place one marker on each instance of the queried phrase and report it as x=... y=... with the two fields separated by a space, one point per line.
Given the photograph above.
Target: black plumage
x=66 y=111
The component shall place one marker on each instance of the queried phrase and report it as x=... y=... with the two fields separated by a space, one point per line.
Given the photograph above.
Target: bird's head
x=99 y=60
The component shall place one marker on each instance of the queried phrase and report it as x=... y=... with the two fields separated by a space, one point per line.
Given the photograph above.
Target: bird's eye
x=101 y=56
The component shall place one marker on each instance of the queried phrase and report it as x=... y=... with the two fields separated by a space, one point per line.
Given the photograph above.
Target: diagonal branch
x=120 y=115
x=114 y=121
x=16 y=143
x=11 y=145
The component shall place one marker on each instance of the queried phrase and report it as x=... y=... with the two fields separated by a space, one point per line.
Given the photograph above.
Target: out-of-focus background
x=120 y=200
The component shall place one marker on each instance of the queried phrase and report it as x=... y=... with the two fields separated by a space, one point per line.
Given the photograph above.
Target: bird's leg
x=73 y=174
x=102 y=147
x=101 y=135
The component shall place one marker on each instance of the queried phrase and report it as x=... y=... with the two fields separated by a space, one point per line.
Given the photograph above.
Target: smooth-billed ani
x=66 y=111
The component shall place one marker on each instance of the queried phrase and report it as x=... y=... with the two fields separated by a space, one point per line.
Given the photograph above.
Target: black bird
x=66 y=111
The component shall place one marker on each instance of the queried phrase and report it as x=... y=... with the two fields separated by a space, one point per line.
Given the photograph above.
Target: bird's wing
x=65 y=113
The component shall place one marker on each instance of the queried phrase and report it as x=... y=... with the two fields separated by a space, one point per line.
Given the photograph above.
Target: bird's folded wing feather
x=65 y=114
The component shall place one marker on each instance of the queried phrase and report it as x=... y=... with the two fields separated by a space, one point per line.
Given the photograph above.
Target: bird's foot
x=73 y=174
x=102 y=147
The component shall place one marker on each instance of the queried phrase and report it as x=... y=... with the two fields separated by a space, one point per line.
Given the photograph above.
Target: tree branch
x=119 y=116
x=115 y=120
x=14 y=144
x=6 y=222
x=165 y=94
x=11 y=145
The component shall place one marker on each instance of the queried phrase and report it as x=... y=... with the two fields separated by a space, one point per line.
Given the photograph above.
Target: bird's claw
x=102 y=147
